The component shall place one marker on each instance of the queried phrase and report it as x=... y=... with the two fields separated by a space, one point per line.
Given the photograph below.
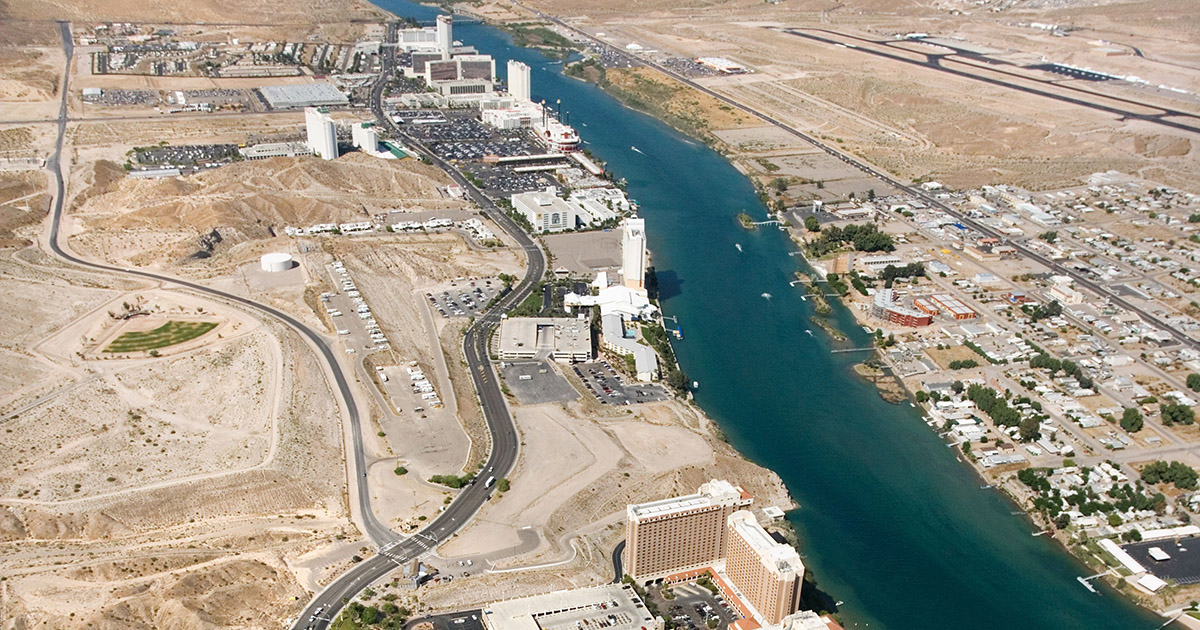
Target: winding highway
x=394 y=550
x=505 y=443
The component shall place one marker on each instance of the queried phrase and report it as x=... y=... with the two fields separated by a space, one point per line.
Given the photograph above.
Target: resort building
x=322 y=133
x=670 y=535
x=545 y=211
x=633 y=253
x=768 y=573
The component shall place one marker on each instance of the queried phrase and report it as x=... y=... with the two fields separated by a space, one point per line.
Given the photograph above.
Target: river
x=889 y=520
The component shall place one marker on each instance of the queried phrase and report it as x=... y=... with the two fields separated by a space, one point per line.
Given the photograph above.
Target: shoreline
x=861 y=317
x=707 y=136
x=995 y=478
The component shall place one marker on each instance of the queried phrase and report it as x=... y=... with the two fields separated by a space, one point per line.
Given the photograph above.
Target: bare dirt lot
x=580 y=465
x=141 y=222
x=170 y=493
x=919 y=122
x=292 y=11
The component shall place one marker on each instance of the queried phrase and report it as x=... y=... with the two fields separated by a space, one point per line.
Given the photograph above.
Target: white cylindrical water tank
x=277 y=261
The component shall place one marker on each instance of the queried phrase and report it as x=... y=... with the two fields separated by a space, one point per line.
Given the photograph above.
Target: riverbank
x=789 y=404
x=882 y=370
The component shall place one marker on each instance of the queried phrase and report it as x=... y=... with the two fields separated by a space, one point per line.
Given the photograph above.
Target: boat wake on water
x=738 y=246
x=767 y=296
x=637 y=150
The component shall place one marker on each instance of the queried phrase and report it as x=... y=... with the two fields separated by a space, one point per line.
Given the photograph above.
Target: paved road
x=378 y=532
x=505 y=443
x=936 y=61
x=1079 y=278
x=616 y=560
x=394 y=550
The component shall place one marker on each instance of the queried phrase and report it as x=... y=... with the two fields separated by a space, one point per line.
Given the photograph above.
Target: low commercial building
x=925 y=305
x=721 y=64
x=546 y=211
x=616 y=337
x=886 y=306
x=876 y=264
x=275 y=149
x=953 y=306
x=1065 y=294
x=156 y=173
x=609 y=606
x=303 y=95
x=564 y=339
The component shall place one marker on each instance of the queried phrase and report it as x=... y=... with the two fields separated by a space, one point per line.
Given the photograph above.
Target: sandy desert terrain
x=124 y=504
x=917 y=122
x=165 y=11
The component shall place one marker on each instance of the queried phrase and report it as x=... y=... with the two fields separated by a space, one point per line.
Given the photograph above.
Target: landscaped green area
x=452 y=481
x=169 y=334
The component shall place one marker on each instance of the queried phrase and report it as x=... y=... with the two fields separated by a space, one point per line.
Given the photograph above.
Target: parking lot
x=351 y=316
x=1183 y=566
x=478 y=149
x=536 y=382
x=463 y=298
x=610 y=388
x=498 y=179
x=465 y=620
x=457 y=128
x=187 y=154
x=693 y=606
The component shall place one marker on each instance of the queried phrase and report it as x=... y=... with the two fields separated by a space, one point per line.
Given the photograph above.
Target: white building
x=518 y=81
x=633 y=253
x=1065 y=294
x=275 y=149
x=546 y=211
x=566 y=340
x=616 y=337
x=410 y=39
x=600 y=204
x=445 y=35
x=365 y=136
x=322 y=134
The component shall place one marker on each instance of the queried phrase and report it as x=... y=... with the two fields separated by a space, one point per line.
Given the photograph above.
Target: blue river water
x=889 y=520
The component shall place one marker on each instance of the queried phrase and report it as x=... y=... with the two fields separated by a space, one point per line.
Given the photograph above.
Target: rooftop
x=778 y=556
x=715 y=492
x=610 y=606
x=302 y=95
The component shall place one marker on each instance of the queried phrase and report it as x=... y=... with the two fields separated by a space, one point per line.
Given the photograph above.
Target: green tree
x=1173 y=413
x=1193 y=382
x=812 y=224
x=1049 y=237
x=1028 y=429
x=1181 y=475
x=1132 y=420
